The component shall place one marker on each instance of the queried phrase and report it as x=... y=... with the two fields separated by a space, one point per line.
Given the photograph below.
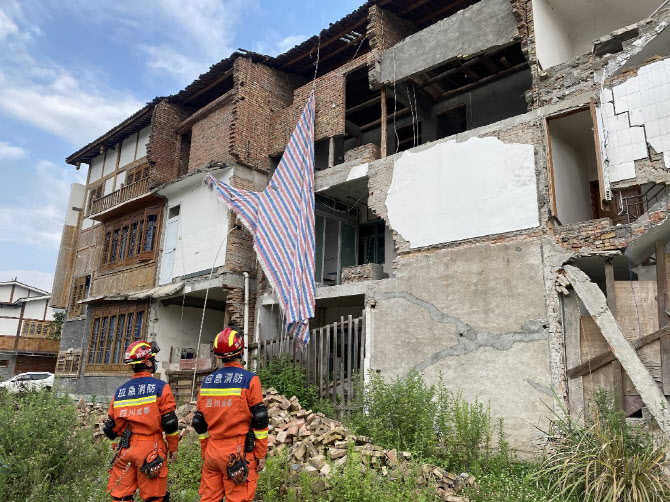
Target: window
x=371 y=242
x=93 y=195
x=37 y=329
x=131 y=240
x=4 y=363
x=112 y=330
x=137 y=174
x=68 y=363
x=80 y=289
x=408 y=136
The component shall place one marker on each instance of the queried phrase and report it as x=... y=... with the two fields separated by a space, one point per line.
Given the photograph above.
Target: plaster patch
x=453 y=191
x=359 y=171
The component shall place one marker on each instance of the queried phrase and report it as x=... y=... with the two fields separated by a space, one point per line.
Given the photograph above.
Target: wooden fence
x=333 y=360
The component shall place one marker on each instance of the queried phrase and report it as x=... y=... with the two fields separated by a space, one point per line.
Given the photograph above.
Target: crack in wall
x=470 y=339
x=539 y=387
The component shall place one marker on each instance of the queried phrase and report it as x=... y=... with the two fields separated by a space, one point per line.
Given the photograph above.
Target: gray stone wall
x=7 y=372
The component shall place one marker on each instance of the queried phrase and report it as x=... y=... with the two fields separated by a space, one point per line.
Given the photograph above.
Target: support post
x=662 y=300
x=617 y=371
x=384 y=124
x=573 y=356
x=331 y=151
x=596 y=303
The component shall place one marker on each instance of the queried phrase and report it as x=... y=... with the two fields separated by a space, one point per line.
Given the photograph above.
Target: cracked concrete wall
x=477 y=314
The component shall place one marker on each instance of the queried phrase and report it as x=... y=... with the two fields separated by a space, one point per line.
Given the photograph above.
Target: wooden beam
x=599 y=160
x=662 y=300
x=208 y=87
x=550 y=168
x=607 y=357
x=469 y=72
x=617 y=371
x=326 y=57
x=450 y=72
x=352 y=129
x=596 y=303
x=571 y=319
x=410 y=8
x=363 y=105
x=492 y=67
x=483 y=81
x=384 y=120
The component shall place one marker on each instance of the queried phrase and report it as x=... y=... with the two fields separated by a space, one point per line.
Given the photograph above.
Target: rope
x=204 y=307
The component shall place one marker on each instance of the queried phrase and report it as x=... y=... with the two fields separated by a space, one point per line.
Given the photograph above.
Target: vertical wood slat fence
x=333 y=360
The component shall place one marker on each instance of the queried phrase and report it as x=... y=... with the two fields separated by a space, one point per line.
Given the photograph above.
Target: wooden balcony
x=128 y=192
x=29 y=344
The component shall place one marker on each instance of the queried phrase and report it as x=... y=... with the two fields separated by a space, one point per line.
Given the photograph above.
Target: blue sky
x=72 y=69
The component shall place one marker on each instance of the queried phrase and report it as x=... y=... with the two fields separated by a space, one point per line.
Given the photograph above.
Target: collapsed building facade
x=466 y=152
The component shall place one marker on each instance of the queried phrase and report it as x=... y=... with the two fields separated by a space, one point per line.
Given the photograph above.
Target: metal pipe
x=246 y=312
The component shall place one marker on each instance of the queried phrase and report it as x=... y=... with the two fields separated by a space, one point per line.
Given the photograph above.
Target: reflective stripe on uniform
x=203 y=436
x=135 y=402
x=172 y=433
x=221 y=392
x=261 y=434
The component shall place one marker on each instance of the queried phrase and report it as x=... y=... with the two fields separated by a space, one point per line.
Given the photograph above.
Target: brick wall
x=162 y=150
x=385 y=29
x=330 y=106
x=262 y=92
x=235 y=308
x=210 y=138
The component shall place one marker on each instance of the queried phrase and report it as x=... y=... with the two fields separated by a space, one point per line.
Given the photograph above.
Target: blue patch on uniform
x=231 y=377
x=140 y=387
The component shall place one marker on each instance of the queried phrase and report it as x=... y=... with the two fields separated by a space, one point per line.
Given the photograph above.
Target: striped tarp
x=281 y=219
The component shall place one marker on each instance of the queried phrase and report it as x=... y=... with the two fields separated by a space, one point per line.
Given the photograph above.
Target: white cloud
x=37 y=218
x=8 y=151
x=41 y=93
x=7 y=26
x=35 y=278
x=273 y=44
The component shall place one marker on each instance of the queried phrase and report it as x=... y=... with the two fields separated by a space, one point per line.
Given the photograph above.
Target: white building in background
x=25 y=324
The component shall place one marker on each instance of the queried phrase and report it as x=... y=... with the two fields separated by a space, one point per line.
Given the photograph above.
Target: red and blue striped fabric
x=281 y=219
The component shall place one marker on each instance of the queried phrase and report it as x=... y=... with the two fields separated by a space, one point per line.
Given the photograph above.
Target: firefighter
x=232 y=423
x=142 y=410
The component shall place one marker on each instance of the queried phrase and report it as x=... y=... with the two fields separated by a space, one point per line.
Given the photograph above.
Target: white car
x=34 y=380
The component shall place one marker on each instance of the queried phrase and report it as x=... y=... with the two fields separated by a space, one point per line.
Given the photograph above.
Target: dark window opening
x=408 y=136
x=452 y=122
x=371 y=242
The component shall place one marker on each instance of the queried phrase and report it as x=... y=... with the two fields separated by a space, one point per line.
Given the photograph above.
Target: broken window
x=371 y=242
x=336 y=232
x=112 y=330
x=131 y=240
x=94 y=194
x=68 y=363
x=408 y=136
x=80 y=289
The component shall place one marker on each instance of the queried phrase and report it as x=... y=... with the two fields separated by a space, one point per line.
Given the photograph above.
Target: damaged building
x=479 y=163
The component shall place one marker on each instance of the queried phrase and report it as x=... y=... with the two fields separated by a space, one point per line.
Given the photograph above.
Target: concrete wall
x=74 y=335
x=478 y=187
x=486 y=24
x=7 y=372
x=552 y=41
x=99 y=387
x=478 y=315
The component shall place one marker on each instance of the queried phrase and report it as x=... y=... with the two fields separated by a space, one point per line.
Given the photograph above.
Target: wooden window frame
x=94 y=193
x=136 y=174
x=69 y=363
x=105 y=349
x=135 y=250
x=79 y=292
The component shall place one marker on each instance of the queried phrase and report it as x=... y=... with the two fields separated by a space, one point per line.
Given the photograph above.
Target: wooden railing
x=333 y=360
x=37 y=329
x=120 y=196
x=28 y=344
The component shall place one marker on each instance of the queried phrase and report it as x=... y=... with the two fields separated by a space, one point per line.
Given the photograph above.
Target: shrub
x=184 y=473
x=605 y=459
x=44 y=454
x=431 y=422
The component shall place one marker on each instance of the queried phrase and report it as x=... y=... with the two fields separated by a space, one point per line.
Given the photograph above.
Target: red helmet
x=228 y=344
x=140 y=352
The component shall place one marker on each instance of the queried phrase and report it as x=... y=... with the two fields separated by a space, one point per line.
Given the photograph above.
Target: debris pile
x=316 y=444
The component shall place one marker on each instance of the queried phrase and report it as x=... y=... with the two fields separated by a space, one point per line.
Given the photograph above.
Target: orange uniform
x=139 y=404
x=225 y=400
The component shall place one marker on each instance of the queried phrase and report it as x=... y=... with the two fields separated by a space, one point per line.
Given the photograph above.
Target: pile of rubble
x=316 y=444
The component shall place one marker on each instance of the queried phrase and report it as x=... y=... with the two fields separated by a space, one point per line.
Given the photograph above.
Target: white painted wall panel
x=120 y=179
x=110 y=161
x=76 y=200
x=109 y=186
x=455 y=191
x=8 y=327
x=34 y=310
x=573 y=198
x=128 y=150
x=5 y=293
x=87 y=223
x=21 y=292
x=552 y=41
x=142 y=142
x=203 y=225
x=96 y=168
